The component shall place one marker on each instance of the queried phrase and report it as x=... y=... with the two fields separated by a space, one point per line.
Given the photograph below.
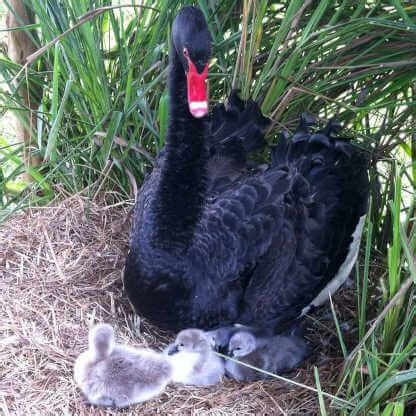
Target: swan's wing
x=321 y=235
x=238 y=226
x=282 y=235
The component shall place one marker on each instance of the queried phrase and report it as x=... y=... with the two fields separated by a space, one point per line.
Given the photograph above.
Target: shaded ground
x=60 y=271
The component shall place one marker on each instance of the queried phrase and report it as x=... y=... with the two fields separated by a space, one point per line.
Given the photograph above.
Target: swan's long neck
x=180 y=191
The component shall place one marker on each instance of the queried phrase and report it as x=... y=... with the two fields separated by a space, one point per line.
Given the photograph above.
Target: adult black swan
x=218 y=240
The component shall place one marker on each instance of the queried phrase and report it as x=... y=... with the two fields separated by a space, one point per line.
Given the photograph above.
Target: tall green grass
x=380 y=373
x=102 y=114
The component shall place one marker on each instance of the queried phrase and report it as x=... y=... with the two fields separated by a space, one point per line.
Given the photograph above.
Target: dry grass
x=60 y=271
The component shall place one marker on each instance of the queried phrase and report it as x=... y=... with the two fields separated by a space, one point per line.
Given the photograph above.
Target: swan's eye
x=181 y=345
x=185 y=53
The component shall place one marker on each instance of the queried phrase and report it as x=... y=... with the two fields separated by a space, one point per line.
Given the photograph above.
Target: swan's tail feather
x=319 y=148
x=237 y=128
x=101 y=341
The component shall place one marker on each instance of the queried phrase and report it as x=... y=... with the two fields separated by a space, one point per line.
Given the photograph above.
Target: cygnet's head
x=241 y=344
x=219 y=338
x=101 y=341
x=190 y=340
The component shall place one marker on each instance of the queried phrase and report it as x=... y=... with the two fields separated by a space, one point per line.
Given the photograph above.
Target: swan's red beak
x=197 y=90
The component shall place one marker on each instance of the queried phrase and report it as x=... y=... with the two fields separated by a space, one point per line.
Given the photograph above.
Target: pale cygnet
x=193 y=346
x=277 y=354
x=111 y=374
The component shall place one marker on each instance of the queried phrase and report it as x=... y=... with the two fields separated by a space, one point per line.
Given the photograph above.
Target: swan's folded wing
x=281 y=236
x=315 y=243
x=238 y=226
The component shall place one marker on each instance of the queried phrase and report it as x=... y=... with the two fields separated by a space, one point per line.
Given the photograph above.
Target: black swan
x=217 y=239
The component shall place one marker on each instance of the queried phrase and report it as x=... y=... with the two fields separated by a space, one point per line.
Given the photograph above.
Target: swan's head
x=241 y=344
x=192 y=42
x=190 y=340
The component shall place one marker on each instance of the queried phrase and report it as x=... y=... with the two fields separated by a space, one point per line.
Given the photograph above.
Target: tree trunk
x=20 y=45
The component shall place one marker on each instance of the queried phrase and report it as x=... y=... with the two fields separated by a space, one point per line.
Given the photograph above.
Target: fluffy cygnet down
x=277 y=354
x=111 y=374
x=192 y=347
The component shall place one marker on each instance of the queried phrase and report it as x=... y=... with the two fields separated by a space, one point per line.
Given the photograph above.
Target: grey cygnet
x=115 y=375
x=277 y=354
x=193 y=346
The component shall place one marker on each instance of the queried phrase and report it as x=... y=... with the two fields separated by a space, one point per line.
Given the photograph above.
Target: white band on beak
x=198 y=108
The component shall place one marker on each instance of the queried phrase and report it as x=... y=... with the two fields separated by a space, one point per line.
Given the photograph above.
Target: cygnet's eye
x=237 y=348
x=181 y=345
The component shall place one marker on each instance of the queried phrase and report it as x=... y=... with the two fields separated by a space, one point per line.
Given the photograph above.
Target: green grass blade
x=50 y=152
x=319 y=390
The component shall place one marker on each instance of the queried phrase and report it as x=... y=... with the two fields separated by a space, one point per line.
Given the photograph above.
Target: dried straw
x=60 y=272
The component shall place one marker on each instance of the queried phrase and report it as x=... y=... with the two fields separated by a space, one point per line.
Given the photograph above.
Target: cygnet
x=276 y=354
x=111 y=374
x=192 y=347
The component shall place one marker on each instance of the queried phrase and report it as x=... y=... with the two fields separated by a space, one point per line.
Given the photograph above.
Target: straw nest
x=60 y=271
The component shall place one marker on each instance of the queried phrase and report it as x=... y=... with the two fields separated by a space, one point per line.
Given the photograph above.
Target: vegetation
x=102 y=108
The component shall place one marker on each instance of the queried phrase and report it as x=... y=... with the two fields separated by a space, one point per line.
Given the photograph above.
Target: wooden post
x=20 y=45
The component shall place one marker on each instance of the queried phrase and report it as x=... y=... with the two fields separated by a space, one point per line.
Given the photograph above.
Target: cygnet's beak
x=173 y=349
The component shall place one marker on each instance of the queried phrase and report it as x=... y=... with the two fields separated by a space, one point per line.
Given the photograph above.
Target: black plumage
x=217 y=239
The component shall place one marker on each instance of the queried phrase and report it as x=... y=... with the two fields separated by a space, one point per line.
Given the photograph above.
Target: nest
x=60 y=272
